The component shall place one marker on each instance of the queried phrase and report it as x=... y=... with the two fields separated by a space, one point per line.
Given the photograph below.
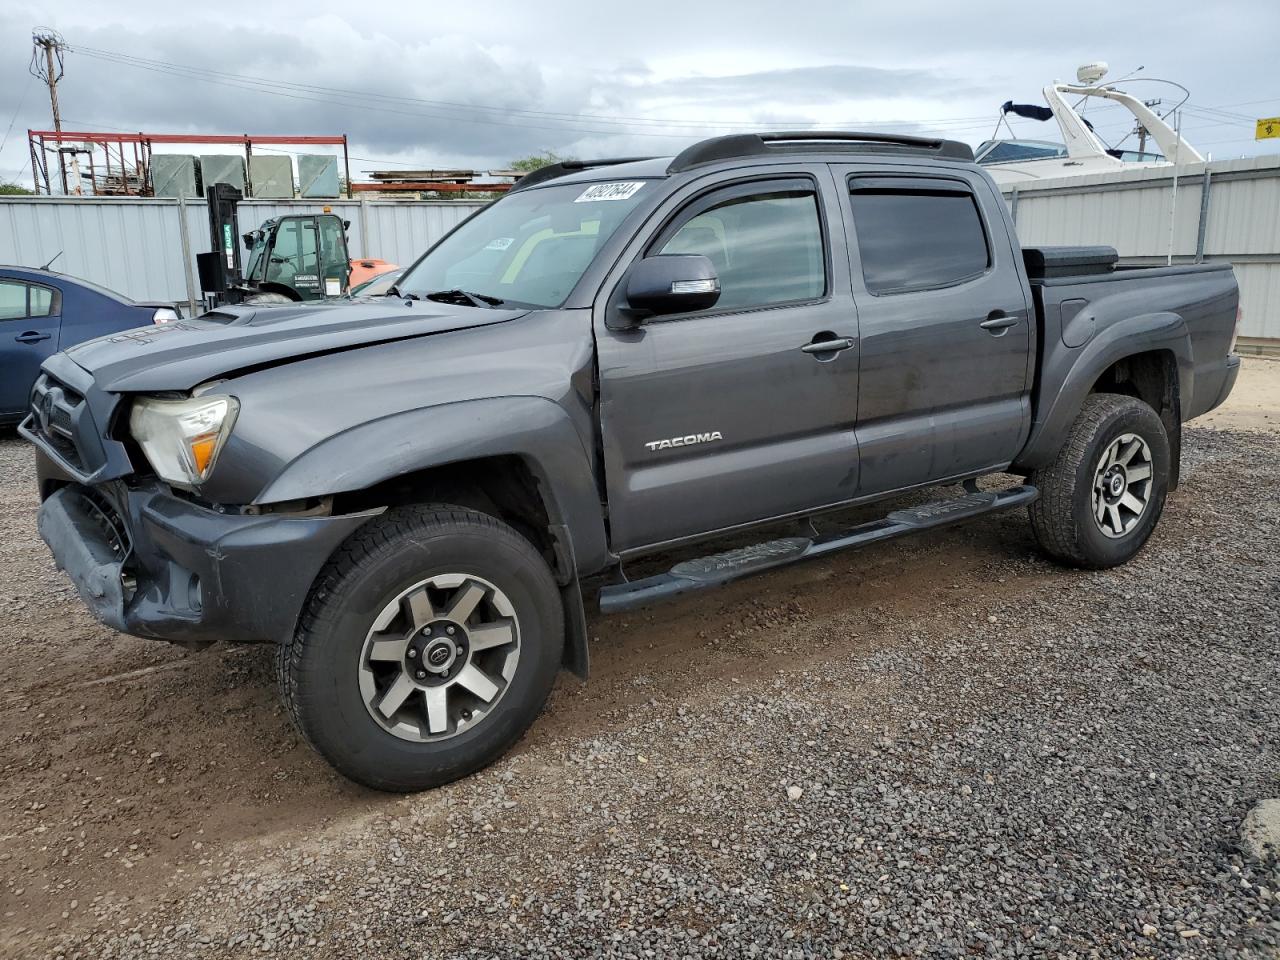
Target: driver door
x=720 y=417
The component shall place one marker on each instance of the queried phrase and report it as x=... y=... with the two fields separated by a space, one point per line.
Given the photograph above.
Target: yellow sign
x=1268 y=127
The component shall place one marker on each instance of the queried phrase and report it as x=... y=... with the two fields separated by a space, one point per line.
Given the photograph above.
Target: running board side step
x=719 y=569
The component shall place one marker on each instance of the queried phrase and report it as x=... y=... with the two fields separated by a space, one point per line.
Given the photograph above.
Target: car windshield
x=1009 y=151
x=528 y=249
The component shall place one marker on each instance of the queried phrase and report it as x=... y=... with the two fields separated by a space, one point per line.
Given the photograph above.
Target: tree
x=537 y=161
x=9 y=188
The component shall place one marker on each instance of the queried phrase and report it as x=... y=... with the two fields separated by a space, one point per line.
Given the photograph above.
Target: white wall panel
x=134 y=246
x=1131 y=212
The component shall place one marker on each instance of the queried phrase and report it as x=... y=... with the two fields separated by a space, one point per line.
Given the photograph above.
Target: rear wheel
x=1104 y=493
x=426 y=649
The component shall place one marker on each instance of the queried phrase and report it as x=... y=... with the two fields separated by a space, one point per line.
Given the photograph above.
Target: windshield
x=530 y=248
x=1007 y=151
x=1135 y=156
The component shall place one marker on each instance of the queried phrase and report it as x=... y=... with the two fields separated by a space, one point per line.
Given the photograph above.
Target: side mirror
x=673 y=283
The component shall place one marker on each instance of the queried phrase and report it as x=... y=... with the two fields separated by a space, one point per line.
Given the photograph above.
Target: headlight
x=181 y=438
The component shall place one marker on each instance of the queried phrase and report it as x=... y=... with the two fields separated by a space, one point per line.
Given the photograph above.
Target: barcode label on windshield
x=610 y=191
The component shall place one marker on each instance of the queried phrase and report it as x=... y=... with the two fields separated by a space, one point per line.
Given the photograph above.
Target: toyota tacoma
x=412 y=494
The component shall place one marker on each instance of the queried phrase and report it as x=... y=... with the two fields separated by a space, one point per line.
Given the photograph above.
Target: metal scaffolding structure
x=120 y=178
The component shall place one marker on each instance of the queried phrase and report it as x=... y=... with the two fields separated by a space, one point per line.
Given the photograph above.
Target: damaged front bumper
x=154 y=565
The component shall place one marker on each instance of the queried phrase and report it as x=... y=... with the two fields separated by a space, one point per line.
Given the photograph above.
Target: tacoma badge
x=688 y=441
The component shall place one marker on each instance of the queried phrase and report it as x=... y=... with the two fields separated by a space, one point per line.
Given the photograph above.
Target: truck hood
x=185 y=353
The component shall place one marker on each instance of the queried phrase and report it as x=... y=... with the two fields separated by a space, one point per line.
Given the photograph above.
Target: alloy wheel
x=1122 y=485
x=439 y=657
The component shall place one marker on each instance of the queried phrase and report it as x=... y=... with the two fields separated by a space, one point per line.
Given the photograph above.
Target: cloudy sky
x=475 y=85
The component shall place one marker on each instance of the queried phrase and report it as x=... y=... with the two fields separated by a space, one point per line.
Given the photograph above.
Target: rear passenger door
x=29 y=326
x=946 y=322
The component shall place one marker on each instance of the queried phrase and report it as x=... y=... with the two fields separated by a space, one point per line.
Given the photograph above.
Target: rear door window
x=917 y=235
x=13 y=300
x=19 y=300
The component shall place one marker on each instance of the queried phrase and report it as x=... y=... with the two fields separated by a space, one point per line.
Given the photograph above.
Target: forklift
x=291 y=259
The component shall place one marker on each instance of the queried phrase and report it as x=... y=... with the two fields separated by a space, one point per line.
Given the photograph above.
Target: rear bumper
x=1213 y=386
x=153 y=565
x=1229 y=381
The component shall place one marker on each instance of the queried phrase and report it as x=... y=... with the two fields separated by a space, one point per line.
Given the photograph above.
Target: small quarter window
x=41 y=304
x=918 y=239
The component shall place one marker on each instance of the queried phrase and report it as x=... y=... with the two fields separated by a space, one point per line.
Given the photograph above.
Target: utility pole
x=46 y=65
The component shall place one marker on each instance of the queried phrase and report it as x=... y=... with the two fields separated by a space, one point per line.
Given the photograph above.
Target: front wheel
x=1102 y=496
x=426 y=649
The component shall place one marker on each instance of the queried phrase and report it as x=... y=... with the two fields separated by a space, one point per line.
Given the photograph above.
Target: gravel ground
x=942 y=747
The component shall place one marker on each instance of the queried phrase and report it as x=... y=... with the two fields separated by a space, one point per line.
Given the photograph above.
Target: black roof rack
x=757 y=144
x=551 y=171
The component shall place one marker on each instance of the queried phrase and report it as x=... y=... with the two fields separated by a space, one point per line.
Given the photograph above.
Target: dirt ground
x=1254 y=404
x=136 y=774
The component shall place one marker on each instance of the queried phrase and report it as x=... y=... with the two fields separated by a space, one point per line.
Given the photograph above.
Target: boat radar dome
x=1090 y=73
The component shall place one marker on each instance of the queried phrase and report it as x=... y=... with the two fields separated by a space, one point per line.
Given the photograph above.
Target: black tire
x=320 y=666
x=1064 y=517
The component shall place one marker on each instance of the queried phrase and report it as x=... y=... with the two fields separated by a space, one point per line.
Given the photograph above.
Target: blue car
x=42 y=312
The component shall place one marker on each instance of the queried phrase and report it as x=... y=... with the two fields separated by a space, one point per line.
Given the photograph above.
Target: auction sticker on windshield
x=610 y=191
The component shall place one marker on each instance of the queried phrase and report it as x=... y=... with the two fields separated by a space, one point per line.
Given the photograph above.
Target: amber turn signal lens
x=202 y=450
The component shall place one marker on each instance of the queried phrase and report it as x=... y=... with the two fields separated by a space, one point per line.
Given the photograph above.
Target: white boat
x=1081 y=151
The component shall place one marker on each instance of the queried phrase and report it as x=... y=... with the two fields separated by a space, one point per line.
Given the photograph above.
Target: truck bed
x=1089 y=308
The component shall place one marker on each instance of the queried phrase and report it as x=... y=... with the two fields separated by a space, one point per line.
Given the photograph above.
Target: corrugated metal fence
x=1224 y=210
x=138 y=247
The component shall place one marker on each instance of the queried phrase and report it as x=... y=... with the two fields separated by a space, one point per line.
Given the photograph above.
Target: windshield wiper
x=465 y=297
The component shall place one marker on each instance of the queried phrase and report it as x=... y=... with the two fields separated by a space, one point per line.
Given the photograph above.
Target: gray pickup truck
x=412 y=494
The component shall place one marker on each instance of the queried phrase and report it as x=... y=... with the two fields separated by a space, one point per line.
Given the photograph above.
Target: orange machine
x=367 y=268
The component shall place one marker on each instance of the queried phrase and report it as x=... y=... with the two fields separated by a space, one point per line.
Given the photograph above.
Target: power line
x=349 y=101
x=14 y=119
x=143 y=62
x=563 y=123
x=447 y=104
x=298 y=91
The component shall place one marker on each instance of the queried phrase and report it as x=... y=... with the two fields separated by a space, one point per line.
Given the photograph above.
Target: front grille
x=60 y=421
x=53 y=411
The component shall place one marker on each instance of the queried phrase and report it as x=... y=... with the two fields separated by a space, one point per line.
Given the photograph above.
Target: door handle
x=998 y=322
x=834 y=345
x=32 y=336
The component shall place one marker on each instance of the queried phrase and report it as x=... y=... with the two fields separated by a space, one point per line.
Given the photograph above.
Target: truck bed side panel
x=1089 y=323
